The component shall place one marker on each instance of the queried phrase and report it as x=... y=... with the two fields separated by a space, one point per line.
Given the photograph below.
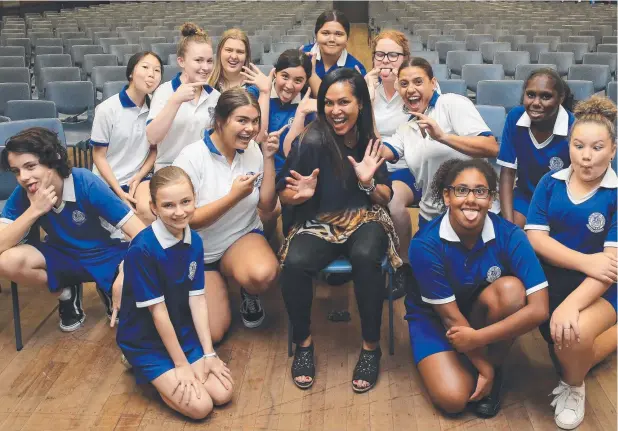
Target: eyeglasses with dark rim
x=392 y=56
x=463 y=191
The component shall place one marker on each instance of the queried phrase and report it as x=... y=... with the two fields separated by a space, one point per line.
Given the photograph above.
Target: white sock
x=65 y=295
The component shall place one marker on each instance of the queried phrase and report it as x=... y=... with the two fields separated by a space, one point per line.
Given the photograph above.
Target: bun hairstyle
x=599 y=110
x=419 y=62
x=190 y=33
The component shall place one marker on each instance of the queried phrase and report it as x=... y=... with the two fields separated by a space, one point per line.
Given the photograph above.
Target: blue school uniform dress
x=83 y=241
x=159 y=268
x=521 y=151
x=279 y=115
x=446 y=271
x=345 y=60
x=587 y=225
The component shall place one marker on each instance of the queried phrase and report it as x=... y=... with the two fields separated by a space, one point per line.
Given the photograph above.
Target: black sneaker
x=251 y=309
x=401 y=279
x=337 y=279
x=107 y=303
x=489 y=406
x=71 y=313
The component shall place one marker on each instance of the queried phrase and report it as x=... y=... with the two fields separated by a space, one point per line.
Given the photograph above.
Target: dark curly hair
x=448 y=171
x=41 y=142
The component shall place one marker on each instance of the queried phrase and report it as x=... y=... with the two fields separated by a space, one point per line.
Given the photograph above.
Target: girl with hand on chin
x=479 y=285
x=390 y=50
x=122 y=155
x=572 y=227
x=181 y=109
x=535 y=141
x=336 y=188
x=328 y=53
x=233 y=178
x=163 y=330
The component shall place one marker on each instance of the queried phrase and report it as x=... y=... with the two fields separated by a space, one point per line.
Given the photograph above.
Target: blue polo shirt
x=87 y=216
x=345 y=60
x=160 y=268
x=520 y=150
x=447 y=271
x=587 y=224
x=279 y=115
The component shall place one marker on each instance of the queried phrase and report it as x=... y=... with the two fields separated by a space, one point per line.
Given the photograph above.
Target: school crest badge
x=258 y=181
x=493 y=274
x=211 y=111
x=192 y=268
x=556 y=163
x=78 y=217
x=596 y=222
x=290 y=121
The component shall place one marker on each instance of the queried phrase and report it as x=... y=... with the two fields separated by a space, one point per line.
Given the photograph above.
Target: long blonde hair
x=217 y=77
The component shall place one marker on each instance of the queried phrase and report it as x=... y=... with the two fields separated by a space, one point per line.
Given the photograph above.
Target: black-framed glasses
x=392 y=56
x=463 y=191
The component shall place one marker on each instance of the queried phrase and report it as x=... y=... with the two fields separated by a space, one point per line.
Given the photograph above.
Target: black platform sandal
x=303 y=365
x=367 y=369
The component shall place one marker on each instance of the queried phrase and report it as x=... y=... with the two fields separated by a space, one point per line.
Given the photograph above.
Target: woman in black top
x=334 y=188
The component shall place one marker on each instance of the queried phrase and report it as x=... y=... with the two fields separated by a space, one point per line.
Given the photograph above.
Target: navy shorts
x=125 y=188
x=149 y=365
x=561 y=283
x=216 y=265
x=65 y=269
x=520 y=203
x=406 y=177
x=427 y=333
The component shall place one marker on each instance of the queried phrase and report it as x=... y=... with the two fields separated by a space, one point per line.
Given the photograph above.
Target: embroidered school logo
x=192 y=268
x=290 y=121
x=556 y=163
x=596 y=222
x=79 y=217
x=258 y=181
x=493 y=274
x=211 y=111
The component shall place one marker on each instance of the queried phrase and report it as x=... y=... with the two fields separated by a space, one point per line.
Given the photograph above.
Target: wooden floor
x=76 y=381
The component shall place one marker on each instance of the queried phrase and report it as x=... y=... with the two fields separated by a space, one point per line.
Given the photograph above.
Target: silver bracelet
x=369 y=189
x=210 y=355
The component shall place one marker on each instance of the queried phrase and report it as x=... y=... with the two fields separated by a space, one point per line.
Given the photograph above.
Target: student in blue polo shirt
x=572 y=226
x=535 y=141
x=122 y=155
x=332 y=30
x=233 y=178
x=78 y=212
x=479 y=285
x=163 y=330
x=181 y=109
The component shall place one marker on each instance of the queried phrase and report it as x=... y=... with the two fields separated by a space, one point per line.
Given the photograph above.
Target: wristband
x=210 y=355
x=369 y=189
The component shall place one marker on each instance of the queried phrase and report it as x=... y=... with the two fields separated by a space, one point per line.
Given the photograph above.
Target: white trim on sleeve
x=536 y=227
x=506 y=164
x=610 y=244
x=536 y=288
x=150 y=302
x=196 y=292
x=438 y=301
x=125 y=219
x=6 y=220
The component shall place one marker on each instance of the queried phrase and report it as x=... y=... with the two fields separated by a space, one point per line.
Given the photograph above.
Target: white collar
x=448 y=233
x=561 y=126
x=609 y=181
x=68 y=189
x=274 y=95
x=165 y=237
x=315 y=50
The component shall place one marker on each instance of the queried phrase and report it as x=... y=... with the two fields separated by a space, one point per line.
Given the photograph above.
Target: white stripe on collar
x=164 y=236
x=609 y=181
x=561 y=126
x=274 y=95
x=68 y=189
x=448 y=233
x=315 y=50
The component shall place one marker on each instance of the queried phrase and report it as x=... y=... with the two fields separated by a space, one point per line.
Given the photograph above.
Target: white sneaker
x=569 y=405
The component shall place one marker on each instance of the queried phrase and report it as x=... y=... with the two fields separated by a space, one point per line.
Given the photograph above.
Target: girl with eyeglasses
x=390 y=50
x=479 y=285
x=572 y=226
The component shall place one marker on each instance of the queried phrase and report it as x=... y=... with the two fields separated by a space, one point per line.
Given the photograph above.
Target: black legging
x=308 y=254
